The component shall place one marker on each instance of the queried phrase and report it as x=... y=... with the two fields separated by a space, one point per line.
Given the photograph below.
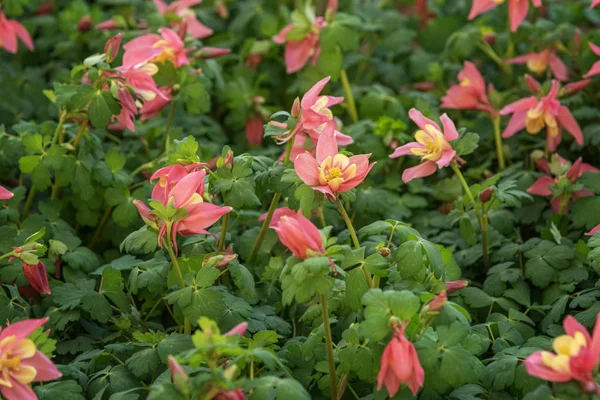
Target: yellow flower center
x=537 y=65
x=465 y=82
x=333 y=172
x=538 y=118
x=10 y=361
x=500 y=1
x=320 y=107
x=433 y=141
x=565 y=347
x=168 y=54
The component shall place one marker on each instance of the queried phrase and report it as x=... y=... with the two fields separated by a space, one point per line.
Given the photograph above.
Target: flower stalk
x=498 y=139
x=349 y=97
x=187 y=327
x=329 y=346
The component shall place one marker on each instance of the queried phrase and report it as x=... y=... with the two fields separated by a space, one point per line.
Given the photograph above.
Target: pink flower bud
x=37 y=277
x=239 y=329
x=453 y=286
x=486 y=195
x=112 y=47
x=178 y=375
x=532 y=84
x=85 y=23
x=296 y=109
x=438 y=302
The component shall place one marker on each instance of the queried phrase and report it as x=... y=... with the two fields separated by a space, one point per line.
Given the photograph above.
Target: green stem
x=28 y=202
x=10 y=254
x=355 y=241
x=487 y=49
x=80 y=132
x=272 y=207
x=251 y=368
x=329 y=346
x=168 y=127
x=321 y=216
x=483 y=224
x=222 y=238
x=498 y=138
x=57 y=131
x=187 y=327
x=100 y=227
x=349 y=96
x=463 y=182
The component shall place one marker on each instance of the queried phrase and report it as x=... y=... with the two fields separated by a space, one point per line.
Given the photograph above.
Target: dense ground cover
x=291 y=199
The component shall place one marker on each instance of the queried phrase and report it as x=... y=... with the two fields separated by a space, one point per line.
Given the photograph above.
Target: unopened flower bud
x=296 y=109
x=489 y=37
x=486 y=195
x=178 y=375
x=453 y=286
x=85 y=23
x=438 y=302
x=239 y=329
x=112 y=47
x=384 y=251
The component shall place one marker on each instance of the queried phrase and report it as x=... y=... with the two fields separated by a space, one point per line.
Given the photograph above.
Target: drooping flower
x=37 y=277
x=517 y=9
x=539 y=62
x=575 y=356
x=153 y=107
x=5 y=194
x=331 y=172
x=297 y=233
x=400 y=364
x=183 y=10
x=595 y=70
x=558 y=175
x=534 y=114
x=470 y=93
x=10 y=32
x=154 y=48
x=299 y=51
x=454 y=286
x=314 y=116
x=432 y=146
x=21 y=362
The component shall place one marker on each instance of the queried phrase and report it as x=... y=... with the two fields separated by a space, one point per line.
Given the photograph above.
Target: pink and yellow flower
x=297 y=233
x=400 y=365
x=299 y=52
x=183 y=10
x=432 y=146
x=154 y=48
x=543 y=186
x=575 y=356
x=331 y=172
x=21 y=362
x=535 y=114
x=517 y=9
x=153 y=107
x=470 y=93
x=10 y=32
x=539 y=62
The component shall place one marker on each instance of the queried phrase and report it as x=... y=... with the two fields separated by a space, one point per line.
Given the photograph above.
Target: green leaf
x=82 y=258
x=409 y=257
x=500 y=374
x=143 y=362
x=64 y=390
x=112 y=287
x=142 y=241
x=356 y=287
x=102 y=108
x=466 y=144
x=114 y=159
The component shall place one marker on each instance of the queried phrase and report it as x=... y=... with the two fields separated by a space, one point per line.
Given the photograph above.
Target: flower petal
x=307 y=168
x=424 y=169
x=567 y=121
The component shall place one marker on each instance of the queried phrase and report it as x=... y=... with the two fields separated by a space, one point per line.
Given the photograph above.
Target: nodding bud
x=489 y=37
x=486 y=195
x=438 y=302
x=221 y=8
x=296 y=109
x=178 y=375
x=228 y=159
x=453 y=286
x=36 y=276
x=384 y=251
x=85 y=23
x=112 y=47
x=211 y=52
x=532 y=84
x=239 y=329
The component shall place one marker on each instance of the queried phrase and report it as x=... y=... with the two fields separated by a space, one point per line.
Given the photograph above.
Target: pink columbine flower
x=10 y=31
x=183 y=10
x=153 y=48
x=517 y=9
x=239 y=329
x=168 y=177
x=254 y=130
x=470 y=93
x=21 y=362
x=400 y=364
x=299 y=52
x=5 y=194
x=543 y=186
x=595 y=70
x=297 y=233
x=575 y=356
x=187 y=193
x=432 y=146
x=539 y=62
x=314 y=116
x=153 y=107
x=454 y=286
x=533 y=115
x=330 y=172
